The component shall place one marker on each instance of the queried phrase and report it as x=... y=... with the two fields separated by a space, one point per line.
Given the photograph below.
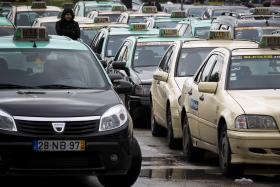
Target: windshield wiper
x=59 y=86
x=5 y=86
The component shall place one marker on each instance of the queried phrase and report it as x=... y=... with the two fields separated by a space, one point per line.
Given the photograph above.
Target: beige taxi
x=179 y=64
x=231 y=107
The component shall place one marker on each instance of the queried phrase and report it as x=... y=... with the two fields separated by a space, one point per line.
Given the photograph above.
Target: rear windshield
x=254 y=72
x=196 y=12
x=88 y=9
x=112 y=17
x=138 y=19
x=27 y=18
x=41 y=67
x=50 y=26
x=87 y=34
x=190 y=60
x=202 y=32
x=167 y=24
x=253 y=33
x=6 y=31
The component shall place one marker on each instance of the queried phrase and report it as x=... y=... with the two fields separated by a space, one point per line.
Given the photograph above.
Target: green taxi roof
x=55 y=42
x=5 y=22
x=127 y=31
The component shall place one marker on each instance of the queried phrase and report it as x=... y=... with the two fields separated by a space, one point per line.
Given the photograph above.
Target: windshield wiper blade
x=4 y=86
x=59 y=86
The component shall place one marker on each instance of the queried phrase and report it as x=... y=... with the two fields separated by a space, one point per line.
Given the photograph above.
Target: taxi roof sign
x=272 y=41
x=149 y=9
x=178 y=14
x=138 y=26
x=101 y=19
x=39 y=5
x=31 y=34
x=168 y=32
x=219 y=35
x=68 y=5
x=120 y=8
x=262 y=11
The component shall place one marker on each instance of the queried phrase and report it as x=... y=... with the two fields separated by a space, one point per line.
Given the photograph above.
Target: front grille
x=45 y=128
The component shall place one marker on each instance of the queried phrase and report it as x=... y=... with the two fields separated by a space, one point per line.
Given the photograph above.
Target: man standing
x=66 y=26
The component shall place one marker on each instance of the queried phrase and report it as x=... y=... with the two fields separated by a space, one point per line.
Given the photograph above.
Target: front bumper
x=18 y=158
x=254 y=147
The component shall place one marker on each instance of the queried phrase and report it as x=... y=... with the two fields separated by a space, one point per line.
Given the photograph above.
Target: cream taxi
x=179 y=63
x=231 y=106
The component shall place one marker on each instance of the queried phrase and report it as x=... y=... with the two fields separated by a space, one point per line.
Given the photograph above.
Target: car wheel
x=172 y=142
x=190 y=152
x=130 y=178
x=227 y=168
x=157 y=130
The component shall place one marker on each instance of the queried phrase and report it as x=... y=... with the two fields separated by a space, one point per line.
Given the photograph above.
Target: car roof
x=259 y=51
x=127 y=31
x=217 y=43
x=162 y=39
x=28 y=8
x=79 y=19
x=5 y=22
x=55 y=42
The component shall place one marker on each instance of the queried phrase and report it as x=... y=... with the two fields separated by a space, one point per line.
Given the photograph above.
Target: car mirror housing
x=122 y=87
x=119 y=65
x=115 y=76
x=161 y=76
x=208 y=87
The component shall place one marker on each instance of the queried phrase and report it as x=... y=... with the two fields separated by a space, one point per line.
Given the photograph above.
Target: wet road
x=162 y=167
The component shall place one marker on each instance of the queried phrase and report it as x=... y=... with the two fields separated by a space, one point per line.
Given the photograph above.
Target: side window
x=94 y=41
x=216 y=72
x=100 y=44
x=122 y=54
x=76 y=10
x=165 y=58
x=207 y=68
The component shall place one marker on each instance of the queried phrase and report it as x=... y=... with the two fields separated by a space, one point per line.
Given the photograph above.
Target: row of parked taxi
x=206 y=77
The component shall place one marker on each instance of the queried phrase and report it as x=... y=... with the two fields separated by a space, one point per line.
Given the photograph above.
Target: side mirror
x=104 y=63
x=122 y=87
x=114 y=77
x=208 y=87
x=161 y=76
x=119 y=65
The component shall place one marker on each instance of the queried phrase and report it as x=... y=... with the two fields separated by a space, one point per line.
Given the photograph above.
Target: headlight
x=7 y=122
x=143 y=90
x=113 y=118
x=255 y=122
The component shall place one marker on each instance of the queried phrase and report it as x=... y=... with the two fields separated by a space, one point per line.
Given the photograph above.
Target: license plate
x=59 y=145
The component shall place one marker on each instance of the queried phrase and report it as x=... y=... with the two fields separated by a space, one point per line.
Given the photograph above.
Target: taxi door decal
x=194 y=104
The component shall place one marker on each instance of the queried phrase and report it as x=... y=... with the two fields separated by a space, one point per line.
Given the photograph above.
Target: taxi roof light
x=120 y=8
x=168 y=32
x=272 y=41
x=31 y=34
x=262 y=11
x=149 y=9
x=101 y=19
x=39 y=5
x=219 y=35
x=178 y=14
x=138 y=26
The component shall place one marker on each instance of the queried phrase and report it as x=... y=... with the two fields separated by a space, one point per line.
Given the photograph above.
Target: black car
x=59 y=113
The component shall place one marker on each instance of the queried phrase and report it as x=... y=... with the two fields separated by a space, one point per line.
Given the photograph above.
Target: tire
x=157 y=130
x=130 y=178
x=172 y=142
x=228 y=169
x=190 y=152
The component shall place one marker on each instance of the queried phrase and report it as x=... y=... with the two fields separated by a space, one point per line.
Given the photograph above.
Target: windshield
x=27 y=18
x=190 y=60
x=166 y=24
x=43 y=67
x=114 y=43
x=196 y=12
x=88 y=9
x=6 y=31
x=149 y=54
x=112 y=17
x=219 y=12
x=138 y=19
x=254 y=72
x=201 y=32
x=50 y=26
x=87 y=34
x=253 y=33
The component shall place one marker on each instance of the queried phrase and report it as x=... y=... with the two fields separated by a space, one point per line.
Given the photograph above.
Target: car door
x=162 y=87
x=194 y=101
x=209 y=105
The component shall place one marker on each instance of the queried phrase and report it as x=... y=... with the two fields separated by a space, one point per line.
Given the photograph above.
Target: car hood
x=54 y=103
x=145 y=74
x=264 y=102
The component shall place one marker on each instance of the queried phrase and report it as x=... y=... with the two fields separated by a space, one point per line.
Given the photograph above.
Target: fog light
x=114 y=157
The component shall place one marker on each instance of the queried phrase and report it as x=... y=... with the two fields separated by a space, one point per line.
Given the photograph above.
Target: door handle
x=190 y=92
x=201 y=98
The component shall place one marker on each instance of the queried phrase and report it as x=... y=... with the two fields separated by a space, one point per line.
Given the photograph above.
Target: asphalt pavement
x=161 y=167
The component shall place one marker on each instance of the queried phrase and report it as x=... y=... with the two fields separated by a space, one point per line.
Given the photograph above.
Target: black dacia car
x=60 y=114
